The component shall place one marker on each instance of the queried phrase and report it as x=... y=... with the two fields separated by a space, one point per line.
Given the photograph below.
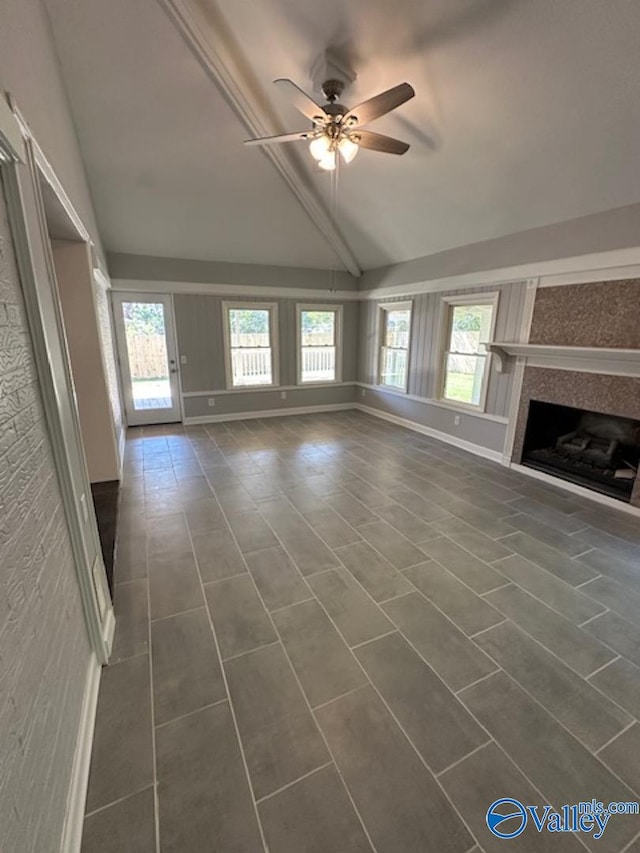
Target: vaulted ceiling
x=526 y=114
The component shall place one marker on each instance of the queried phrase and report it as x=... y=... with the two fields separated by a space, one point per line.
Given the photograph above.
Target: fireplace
x=588 y=448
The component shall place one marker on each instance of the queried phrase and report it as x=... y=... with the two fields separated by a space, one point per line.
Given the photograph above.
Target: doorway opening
x=89 y=348
x=147 y=353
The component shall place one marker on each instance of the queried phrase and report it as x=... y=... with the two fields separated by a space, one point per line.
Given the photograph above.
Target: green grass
x=460 y=387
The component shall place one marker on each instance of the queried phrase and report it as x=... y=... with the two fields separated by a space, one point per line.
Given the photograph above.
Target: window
x=395 y=333
x=319 y=343
x=250 y=334
x=469 y=326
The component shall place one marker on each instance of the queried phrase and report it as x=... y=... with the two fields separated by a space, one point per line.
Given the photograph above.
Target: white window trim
x=383 y=307
x=480 y=298
x=272 y=307
x=314 y=306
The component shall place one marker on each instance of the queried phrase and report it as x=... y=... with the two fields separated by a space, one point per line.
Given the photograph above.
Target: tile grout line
x=574 y=671
x=251 y=651
x=499 y=669
x=600 y=668
x=519 y=586
x=581 y=554
x=628 y=846
x=294 y=782
x=377 y=692
x=224 y=677
x=118 y=800
x=511 y=582
x=401 y=727
x=156 y=799
x=489 y=591
x=378 y=637
x=597 y=616
x=191 y=713
x=295 y=675
x=177 y=613
x=484 y=630
x=396 y=597
x=586 y=583
x=536 y=701
x=295 y=603
x=478 y=681
x=464 y=758
x=615 y=737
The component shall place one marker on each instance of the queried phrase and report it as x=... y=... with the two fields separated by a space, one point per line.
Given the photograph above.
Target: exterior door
x=148 y=357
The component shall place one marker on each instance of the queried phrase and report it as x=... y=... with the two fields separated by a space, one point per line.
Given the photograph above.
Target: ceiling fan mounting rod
x=332 y=89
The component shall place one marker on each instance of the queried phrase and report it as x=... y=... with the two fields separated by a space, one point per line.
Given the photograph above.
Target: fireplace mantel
x=611 y=362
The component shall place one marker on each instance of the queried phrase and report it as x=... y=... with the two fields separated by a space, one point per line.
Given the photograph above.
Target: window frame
x=383 y=310
x=448 y=303
x=272 y=308
x=338 y=310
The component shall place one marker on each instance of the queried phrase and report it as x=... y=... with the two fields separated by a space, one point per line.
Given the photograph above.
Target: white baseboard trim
x=76 y=801
x=109 y=630
x=477 y=449
x=575 y=489
x=268 y=413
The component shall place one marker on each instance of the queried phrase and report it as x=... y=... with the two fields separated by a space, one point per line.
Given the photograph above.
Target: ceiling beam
x=212 y=43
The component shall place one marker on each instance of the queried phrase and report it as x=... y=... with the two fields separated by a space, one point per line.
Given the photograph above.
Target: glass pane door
x=147 y=358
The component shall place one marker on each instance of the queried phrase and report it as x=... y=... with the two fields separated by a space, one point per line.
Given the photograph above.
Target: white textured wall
x=44 y=649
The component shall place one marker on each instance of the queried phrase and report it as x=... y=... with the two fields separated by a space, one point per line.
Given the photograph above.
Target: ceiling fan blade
x=283 y=137
x=379 y=105
x=378 y=142
x=307 y=106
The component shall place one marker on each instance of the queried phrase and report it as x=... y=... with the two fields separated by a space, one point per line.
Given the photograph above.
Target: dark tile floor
x=105 y=503
x=336 y=635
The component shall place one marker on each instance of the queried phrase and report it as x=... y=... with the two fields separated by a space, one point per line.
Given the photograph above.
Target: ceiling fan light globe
x=328 y=161
x=348 y=149
x=319 y=146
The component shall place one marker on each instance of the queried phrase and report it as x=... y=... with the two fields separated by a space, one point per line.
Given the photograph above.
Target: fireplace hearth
x=591 y=449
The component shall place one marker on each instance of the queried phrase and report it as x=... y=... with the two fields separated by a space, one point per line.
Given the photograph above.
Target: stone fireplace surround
x=601 y=314
x=611 y=395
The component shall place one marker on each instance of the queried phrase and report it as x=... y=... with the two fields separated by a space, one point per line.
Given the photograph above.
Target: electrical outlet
x=283 y=395
x=456 y=420
x=211 y=401
x=183 y=359
x=364 y=392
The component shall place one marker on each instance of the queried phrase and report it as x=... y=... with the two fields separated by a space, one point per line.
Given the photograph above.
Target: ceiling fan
x=337 y=128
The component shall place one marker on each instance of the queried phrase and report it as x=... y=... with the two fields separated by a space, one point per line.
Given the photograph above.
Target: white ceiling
x=526 y=114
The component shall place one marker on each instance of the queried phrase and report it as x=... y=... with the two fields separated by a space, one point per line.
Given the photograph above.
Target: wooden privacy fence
x=147 y=356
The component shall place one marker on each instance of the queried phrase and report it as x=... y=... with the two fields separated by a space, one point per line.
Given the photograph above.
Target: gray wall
x=473 y=429
x=598 y=232
x=424 y=366
x=199 y=326
x=149 y=268
x=44 y=649
x=29 y=69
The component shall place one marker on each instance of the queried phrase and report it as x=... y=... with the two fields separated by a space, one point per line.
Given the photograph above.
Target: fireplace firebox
x=588 y=448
